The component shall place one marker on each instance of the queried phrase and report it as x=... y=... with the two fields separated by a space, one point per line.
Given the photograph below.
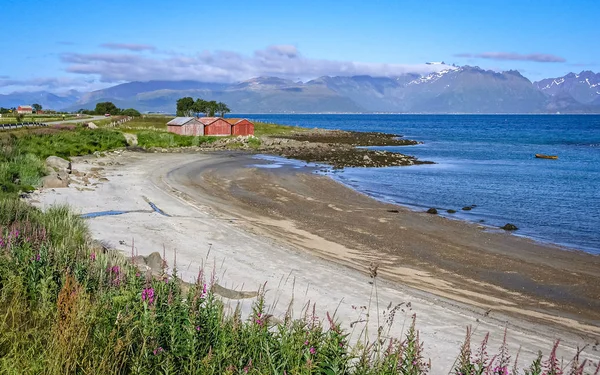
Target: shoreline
x=419 y=208
x=554 y=259
x=320 y=169
x=247 y=248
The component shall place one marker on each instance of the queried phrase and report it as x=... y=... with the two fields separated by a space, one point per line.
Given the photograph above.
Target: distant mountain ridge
x=452 y=90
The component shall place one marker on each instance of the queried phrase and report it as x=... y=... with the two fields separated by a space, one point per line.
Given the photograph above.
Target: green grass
x=162 y=139
x=67 y=143
x=262 y=128
x=22 y=152
x=156 y=122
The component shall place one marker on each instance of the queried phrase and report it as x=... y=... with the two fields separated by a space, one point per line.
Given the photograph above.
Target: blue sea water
x=487 y=161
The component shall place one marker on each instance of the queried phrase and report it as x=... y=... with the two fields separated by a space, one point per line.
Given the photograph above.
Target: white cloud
x=283 y=61
x=535 y=57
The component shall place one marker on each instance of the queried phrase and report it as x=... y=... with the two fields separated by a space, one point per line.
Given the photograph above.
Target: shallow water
x=488 y=161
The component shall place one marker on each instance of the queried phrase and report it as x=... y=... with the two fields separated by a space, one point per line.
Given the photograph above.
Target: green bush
x=65 y=143
x=150 y=138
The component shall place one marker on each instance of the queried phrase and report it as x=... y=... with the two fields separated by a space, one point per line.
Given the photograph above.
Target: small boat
x=542 y=156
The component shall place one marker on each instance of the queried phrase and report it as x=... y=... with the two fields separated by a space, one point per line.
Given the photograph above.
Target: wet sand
x=457 y=260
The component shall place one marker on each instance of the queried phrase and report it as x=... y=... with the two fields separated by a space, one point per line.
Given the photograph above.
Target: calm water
x=487 y=160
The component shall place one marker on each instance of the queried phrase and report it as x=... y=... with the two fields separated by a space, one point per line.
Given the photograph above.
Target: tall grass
x=152 y=138
x=69 y=307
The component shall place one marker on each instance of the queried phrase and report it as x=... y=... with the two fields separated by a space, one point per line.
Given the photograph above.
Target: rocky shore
x=337 y=148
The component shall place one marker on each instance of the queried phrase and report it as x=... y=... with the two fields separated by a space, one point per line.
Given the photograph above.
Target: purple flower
x=148 y=295
x=306 y=343
x=158 y=350
x=198 y=328
x=312 y=350
x=93 y=257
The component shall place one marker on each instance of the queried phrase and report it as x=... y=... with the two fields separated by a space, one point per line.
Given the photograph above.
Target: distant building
x=186 y=126
x=241 y=126
x=215 y=126
x=25 y=109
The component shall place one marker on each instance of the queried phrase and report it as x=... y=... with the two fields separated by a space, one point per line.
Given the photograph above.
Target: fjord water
x=488 y=161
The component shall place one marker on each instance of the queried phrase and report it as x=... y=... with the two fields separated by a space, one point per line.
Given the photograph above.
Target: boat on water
x=542 y=156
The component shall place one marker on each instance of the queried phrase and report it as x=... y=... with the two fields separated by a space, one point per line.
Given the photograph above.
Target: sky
x=58 y=45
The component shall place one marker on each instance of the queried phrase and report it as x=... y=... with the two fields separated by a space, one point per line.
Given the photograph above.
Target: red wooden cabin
x=215 y=126
x=241 y=126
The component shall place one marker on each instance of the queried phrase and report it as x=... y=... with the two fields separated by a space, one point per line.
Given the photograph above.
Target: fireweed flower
x=312 y=350
x=203 y=295
x=148 y=295
x=258 y=320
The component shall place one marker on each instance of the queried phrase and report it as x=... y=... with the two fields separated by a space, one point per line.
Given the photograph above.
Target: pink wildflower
x=148 y=295
x=312 y=350
x=306 y=343
x=93 y=257
x=158 y=350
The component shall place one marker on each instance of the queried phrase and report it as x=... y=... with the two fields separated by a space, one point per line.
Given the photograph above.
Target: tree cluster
x=103 y=108
x=189 y=107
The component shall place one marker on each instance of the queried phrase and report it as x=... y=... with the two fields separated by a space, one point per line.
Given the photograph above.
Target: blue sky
x=63 y=44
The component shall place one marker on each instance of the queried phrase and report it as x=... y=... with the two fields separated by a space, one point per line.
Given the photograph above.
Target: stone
x=467 y=208
x=451 y=211
x=58 y=164
x=509 y=226
x=131 y=139
x=432 y=211
x=91 y=125
x=54 y=182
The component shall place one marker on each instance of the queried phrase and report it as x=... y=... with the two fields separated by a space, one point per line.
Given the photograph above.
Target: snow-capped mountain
x=452 y=89
x=584 y=87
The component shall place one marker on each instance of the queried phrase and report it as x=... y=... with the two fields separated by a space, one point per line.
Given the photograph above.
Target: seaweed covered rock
x=509 y=226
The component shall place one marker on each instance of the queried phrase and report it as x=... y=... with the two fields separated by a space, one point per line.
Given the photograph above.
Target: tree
x=211 y=108
x=222 y=108
x=36 y=107
x=131 y=112
x=200 y=106
x=185 y=106
x=107 y=107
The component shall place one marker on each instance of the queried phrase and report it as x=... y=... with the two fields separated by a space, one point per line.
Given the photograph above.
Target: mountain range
x=453 y=90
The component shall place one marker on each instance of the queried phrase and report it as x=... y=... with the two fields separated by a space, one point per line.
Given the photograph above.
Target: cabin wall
x=243 y=128
x=193 y=128
x=218 y=127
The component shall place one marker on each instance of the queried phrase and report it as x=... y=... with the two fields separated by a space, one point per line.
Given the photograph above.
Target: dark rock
x=467 y=208
x=432 y=211
x=451 y=211
x=509 y=226
x=393 y=211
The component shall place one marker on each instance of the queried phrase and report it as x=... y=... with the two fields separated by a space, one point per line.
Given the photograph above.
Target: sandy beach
x=312 y=240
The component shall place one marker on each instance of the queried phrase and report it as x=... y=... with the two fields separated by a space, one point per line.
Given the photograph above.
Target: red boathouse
x=241 y=126
x=215 y=126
